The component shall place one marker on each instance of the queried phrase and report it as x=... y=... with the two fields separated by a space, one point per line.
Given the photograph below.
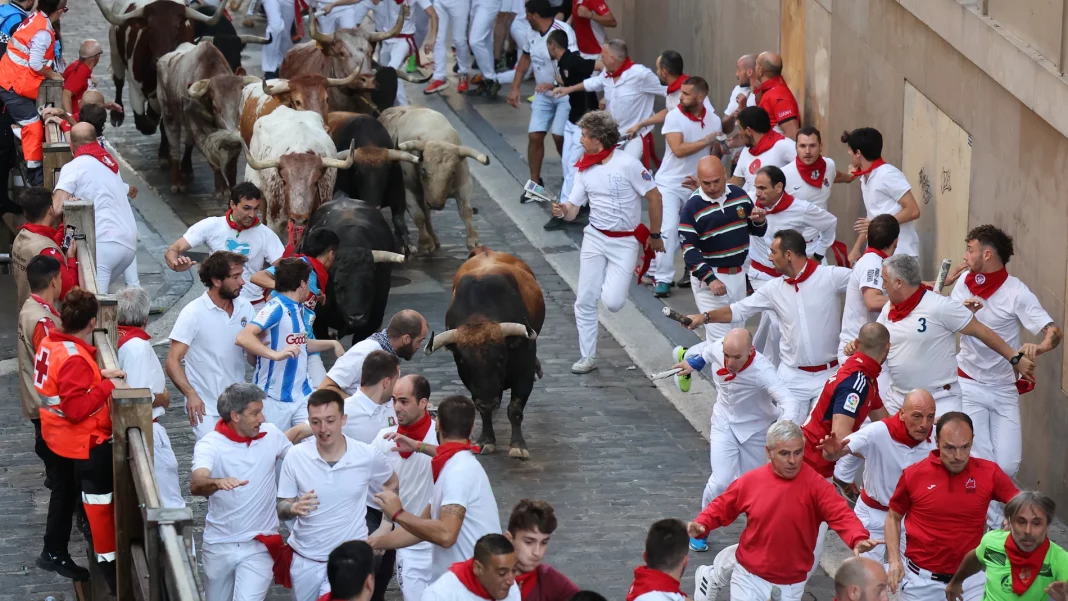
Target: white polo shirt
x=923 y=344
x=628 y=98
x=798 y=187
x=414 y=473
x=463 y=482
x=867 y=273
x=86 y=177
x=534 y=46
x=142 y=368
x=260 y=244
x=779 y=155
x=732 y=103
x=348 y=368
x=751 y=401
x=1012 y=305
x=792 y=214
x=614 y=191
x=882 y=189
x=342 y=491
x=214 y=361
x=673 y=170
x=235 y=516
x=884 y=458
x=810 y=316
x=366 y=417
x=449 y=588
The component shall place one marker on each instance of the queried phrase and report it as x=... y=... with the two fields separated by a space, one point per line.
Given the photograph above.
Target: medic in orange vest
x=29 y=60
x=76 y=416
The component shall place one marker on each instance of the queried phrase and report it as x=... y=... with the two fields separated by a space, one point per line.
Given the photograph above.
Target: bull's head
x=231 y=46
x=354 y=293
x=437 y=173
x=214 y=105
x=307 y=92
x=481 y=350
x=167 y=23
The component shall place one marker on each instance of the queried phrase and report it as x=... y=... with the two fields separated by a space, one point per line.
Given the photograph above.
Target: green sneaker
x=412 y=66
x=662 y=290
x=678 y=355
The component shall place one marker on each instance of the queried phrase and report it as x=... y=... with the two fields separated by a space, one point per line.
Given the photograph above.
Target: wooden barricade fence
x=154 y=559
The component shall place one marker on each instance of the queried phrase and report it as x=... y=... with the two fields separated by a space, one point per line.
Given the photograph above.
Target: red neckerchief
x=784 y=203
x=900 y=433
x=224 y=428
x=589 y=160
x=876 y=251
x=128 y=333
x=874 y=165
x=766 y=143
x=1025 y=566
x=445 y=453
x=769 y=84
x=527 y=582
x=984 y=285
x=675 y=85
x=723 y=371
x=806 y=272
x=812 y=174
x=281 y=556
x=901 y=311
x=53 y=234
x=648 y=580
x=465 y=573
x=45 y=303
x=320 y=271
x=235 y=225
x=627 y=64
x=95 y=150
x=416 y=431
x=696 y=119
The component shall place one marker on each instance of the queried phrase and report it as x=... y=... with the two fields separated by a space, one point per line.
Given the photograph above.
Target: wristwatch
x=655 y=235
x=1016 y=360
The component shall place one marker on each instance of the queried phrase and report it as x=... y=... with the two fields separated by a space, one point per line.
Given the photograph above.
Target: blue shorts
x=549 y=114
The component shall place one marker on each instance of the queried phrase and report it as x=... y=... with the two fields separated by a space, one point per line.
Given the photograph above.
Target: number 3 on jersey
x=923 y=325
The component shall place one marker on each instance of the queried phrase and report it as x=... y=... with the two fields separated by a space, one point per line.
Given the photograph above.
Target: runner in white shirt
x=668 y=70
x=234 y=466
x=884 y=189
x=613 y=183
x=763 y=147
x=888 y=446
x=806 y=303
x=865 y=296
x=689 y=131
x=138 y=359
x=462 y=508
x=490 y=571
x=238 y=231
x=811 y=176
x=402 y=337
x=923 y=343
x=741 y=96
x=204 y=358
x=323 y=488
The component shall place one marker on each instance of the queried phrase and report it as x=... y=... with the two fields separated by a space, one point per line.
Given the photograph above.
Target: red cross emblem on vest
x=40 y=367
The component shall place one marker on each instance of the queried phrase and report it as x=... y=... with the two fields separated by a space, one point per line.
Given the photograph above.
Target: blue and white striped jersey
x=284 y=322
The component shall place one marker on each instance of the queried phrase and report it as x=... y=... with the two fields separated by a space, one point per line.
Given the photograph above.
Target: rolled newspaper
x=676 y=316
x=943 y=272
x=665 y=374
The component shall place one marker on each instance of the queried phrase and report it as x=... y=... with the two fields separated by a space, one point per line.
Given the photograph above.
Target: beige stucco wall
x=857 y=57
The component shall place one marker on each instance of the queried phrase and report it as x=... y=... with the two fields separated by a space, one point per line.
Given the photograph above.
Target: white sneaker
x=584 y=365
x=704 y=588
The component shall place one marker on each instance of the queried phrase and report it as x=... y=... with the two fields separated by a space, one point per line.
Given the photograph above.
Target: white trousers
x=663 y=267
x=730 y=458
x=606 y=266
x=413 y=572
x=279 y=20
x=945 y=400
x=805 y=387
x=483 y=19
x=237 y=571
x=995 y=413
x=572 y=153
x=112 y=259
x=454 y=13
x=392 y=53
x=746 y=586
x=309 y=578
x=284 y=415
x=920 y=587
x=875 y=521
x=130 y=273
x=422 y=23
x=166 y=465
x=767 y=336
x=345 y=17
x=206 y=425
x=706 y=301
x=634 y=148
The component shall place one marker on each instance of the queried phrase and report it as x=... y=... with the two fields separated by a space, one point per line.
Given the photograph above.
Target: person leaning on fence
x=38 y=237
x=76 y=415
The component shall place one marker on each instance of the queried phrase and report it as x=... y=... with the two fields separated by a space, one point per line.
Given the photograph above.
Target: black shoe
x=523 y=194
x=556 y=223
x=62 y=565
x=491 y=91
x=271 y=75
x=684 y=282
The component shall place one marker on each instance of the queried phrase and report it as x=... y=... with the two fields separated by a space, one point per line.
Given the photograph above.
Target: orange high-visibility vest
x=65 y=438
x=15 y=72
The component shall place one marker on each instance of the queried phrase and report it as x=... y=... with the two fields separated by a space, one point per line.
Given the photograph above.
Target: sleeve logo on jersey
x=826 y=182
x=298 y=339
x=646 y=176
x=852 y=402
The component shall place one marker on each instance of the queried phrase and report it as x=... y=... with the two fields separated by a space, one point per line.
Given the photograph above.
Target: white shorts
x=548 y=114
x=746 y=586
x=285 y=415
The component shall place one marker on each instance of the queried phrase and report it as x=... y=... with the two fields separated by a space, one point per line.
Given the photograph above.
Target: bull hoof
x=519 y=453
x=474 y=243
x=488 y=449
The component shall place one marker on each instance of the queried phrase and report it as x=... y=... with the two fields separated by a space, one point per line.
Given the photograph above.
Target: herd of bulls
x=328 y=149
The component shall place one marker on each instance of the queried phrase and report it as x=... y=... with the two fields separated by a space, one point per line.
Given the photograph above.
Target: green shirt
x=991 y=552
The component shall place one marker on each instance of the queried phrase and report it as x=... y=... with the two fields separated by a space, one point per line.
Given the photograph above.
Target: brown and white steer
x=307 y=92
x=442 y=173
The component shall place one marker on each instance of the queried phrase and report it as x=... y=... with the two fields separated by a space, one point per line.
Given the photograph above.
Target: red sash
x=641 y=234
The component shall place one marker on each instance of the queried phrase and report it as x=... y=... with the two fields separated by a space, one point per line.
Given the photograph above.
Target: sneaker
x=435 y=86
x=698 y=545
x=849 y=491
x=412 y=65
x=478 y=89
x=492 y=90
x=704 y=588
x=662 y=290
x=556 y=223
x=478 y=79
x=584 y=365
x=530 y=99
x=683 y=282
x=678 y=354
x=463 y=86
x=62 y=565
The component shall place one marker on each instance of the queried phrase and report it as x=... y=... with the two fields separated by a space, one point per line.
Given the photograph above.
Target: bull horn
x=410 y=145
x=412 y=78
x=254 y=39
x=510 y=328
x=257 y=165
x=313 y=29
x=398 y=155
x=199 y=88
x=334 y=82
x=337 y=162
x=392 y=33
x=471 y=153
x=193 y=15
x=385 y=256
x=249 y=79
x=118 y=19
x=280 y=88
x=436 y=342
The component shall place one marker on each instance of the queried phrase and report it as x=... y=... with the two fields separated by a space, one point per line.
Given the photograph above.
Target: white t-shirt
x=867 y=273
x=629 y=98
x=88 y=179
x=1011 y=305
x=673 y=170
x=213 y=361
x=540 y=61
x=260 y=244
x=882 y=189
x=342 y=491
x=792 y=214
x=884 y=458
x=414 y=473
x=749 y=402
x=614 y=191
x=799 y=188
x=463 y=482
x=781 y=154
x=367 y=418
x=449 y=588
x=732 y=104
x=235 y=516
x=923 y=344
x=142 y=368
x=348 y=368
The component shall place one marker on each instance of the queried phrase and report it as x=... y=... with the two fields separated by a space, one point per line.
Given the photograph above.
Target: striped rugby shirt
x=716 y=234
x=284 y=322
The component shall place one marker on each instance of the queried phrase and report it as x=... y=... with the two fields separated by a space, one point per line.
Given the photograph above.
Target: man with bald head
x=78 y=78
x=774 y=96
x=714 y=227
x=742 y=94
x=402 y=337
x=861 y=579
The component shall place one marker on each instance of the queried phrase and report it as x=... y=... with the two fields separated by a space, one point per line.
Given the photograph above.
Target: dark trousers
x=384 y=563
x=64 y=498
x=96 y=477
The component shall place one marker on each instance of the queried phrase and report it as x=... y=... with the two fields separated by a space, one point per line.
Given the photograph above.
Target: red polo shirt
x=588 y=35
x=76 y=81
x=945 y=514
x=777 y=99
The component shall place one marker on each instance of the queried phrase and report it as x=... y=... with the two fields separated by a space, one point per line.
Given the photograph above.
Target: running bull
x=496 y=313
x=306 y=92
